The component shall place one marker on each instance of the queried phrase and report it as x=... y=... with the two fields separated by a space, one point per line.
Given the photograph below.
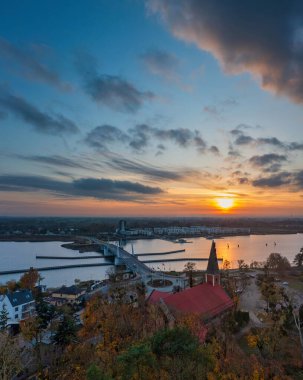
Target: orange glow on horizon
x=225 y=203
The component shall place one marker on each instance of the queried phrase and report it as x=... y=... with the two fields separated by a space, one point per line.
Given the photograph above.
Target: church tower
x=212 y=275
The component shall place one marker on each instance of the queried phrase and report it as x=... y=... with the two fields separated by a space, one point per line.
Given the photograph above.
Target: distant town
x=40 y=229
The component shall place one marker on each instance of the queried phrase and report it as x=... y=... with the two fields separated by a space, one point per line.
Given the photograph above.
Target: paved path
x=251 y=301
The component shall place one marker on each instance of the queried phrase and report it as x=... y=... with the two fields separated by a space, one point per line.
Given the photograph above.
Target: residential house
x=67 y=294
x=19 y=305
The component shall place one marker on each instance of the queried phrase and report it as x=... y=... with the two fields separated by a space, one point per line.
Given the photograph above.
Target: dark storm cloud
x=275 y=180
x=181 y=136
x=142 y=136
x=295 y=146
x=160 y=63
x=271 y=141
x=149 y=171
x=267 y=159
x=116 y=93
x=243 y=139
x=243 y=180
x=56 y=124
x=214 y=149
x=30 y=65
x=85 y=187
x=261 y=37
x=105 y=134
x=55 y=160
x=298 y=179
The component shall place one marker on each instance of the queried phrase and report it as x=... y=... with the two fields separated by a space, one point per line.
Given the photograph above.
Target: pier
x=176 y=259
x=67 y=257
x=159 y=253
x=43 y=269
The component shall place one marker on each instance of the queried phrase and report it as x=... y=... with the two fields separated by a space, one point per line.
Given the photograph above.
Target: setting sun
x=225 y=203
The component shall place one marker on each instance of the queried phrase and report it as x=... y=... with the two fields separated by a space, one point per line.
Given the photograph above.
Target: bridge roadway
x=137 y=266
x=129 y=260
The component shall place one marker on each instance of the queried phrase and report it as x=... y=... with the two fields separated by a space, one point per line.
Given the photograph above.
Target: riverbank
x=76 y=242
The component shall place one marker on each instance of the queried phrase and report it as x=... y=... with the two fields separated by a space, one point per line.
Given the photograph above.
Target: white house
x=19 y=305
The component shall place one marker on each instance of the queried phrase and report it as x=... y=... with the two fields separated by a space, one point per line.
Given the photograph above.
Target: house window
x=16 y=308
x=16 y=316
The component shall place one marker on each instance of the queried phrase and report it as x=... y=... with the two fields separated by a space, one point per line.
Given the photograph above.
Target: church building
x=208 y=299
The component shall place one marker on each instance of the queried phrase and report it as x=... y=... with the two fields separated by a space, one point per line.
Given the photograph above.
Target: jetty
x=43 y=269
x=159 y=253
x=67 y=257
x=177 y=259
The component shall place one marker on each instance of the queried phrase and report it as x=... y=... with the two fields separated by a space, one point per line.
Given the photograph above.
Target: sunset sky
x=159 y=107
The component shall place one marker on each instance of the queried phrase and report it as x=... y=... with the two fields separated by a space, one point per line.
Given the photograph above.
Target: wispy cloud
x=267 y=159
x=151 y=171
x=30 y=65
x=101 y=136
x=276 y=180
x=55 y=160
x=112 y=91
x=243 y=139
x=142 y=135
x=161 y=63
x=84 y=187
x=42 y=122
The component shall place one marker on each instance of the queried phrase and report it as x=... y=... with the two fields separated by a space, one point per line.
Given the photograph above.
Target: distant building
x=121 y=226
x=67 y=294
x=19 y=305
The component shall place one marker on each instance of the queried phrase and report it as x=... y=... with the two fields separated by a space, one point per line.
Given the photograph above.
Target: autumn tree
x=298 y=260
x=12 y=285
x=95 y=373
x=189 y=269
x=45 y=312
x=138 y=362
x=277 y=263
x=10 y=357
x=29 y=279
x=241 y=264
x=271 y=293
x=226 y=265
x=3 y=318
x=180 y=354
x=66 y=332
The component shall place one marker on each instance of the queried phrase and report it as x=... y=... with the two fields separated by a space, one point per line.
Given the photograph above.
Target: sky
x=151 y=108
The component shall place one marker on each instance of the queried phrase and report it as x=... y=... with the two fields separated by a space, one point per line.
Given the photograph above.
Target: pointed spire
x=213 y=267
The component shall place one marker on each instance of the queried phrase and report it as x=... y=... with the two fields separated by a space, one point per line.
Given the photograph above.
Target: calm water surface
x=23 y=255
x=249 y=248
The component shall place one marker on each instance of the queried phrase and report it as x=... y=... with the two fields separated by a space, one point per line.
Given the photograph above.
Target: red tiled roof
x=204 y=299
x=156 y=295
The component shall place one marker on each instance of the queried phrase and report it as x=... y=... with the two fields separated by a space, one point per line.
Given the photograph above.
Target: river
x=22 y=255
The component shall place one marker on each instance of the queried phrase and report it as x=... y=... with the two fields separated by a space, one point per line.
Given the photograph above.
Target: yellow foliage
x=252 y=341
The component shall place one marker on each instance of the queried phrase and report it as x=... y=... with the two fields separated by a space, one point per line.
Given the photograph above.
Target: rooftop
x=69 y=290
x=212 y=266
x=203 y=299
x=20 y=297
